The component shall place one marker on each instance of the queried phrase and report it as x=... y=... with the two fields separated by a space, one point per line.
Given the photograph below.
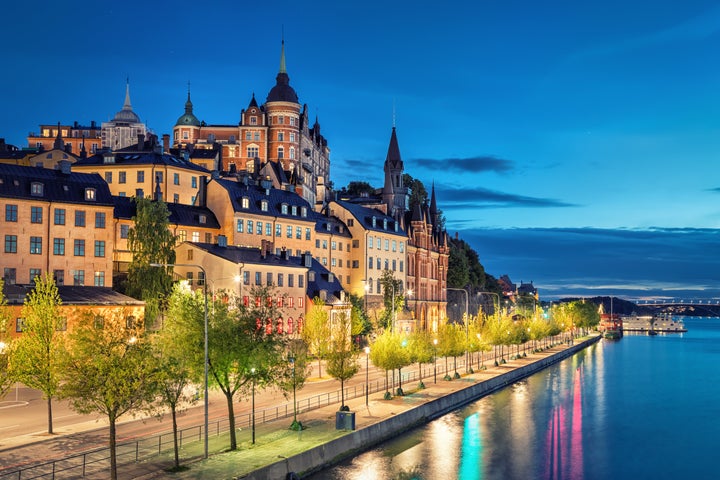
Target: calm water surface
x=642 y=407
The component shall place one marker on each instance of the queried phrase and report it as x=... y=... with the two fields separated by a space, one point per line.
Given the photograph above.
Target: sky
x=572 y=144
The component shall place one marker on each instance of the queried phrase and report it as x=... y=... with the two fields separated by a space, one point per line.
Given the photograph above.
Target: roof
x=324 y=280
x=75 y=295
x=275 y=198
x=187 y=215
x=332 y=225
x=248 y=255
x=282 y=91
x=188 y=118
x=364 y=215
x=131 y=156
x=16 y=182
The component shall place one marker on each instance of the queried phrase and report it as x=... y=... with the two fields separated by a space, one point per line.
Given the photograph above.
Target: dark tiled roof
x=331 y=225
x=130 y=157
x=74 y=295
x=187 y=215
x=324 y=280
x=274 y=196
x=365 y=215
x=15 y=182
x=247 y=255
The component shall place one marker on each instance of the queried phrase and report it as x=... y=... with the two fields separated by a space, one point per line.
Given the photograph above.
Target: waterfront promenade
x=279 y=451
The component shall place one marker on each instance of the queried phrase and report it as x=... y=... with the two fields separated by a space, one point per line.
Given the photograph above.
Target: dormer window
x=36 y=189
x=384 y=223
x=328 y=227
x=90 y=194
x=374 y=222
x=303 y=212
x=203 y=219
x=245 y=202
x=294 y=210
x=284 y=208
x=264 y=205
x=396 y=226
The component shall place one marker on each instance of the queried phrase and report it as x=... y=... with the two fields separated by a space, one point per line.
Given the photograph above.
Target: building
x=75 y=138
x=277 y=131
x=125 y=127
x=56 y=221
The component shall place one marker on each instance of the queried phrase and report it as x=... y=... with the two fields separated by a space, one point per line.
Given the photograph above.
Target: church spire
x=127 y=105
x=282 y=57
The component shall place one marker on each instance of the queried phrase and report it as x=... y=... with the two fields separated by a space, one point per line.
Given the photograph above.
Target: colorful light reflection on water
x=642 y=407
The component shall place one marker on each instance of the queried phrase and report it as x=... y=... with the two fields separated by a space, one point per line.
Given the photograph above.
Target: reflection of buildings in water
x=564 y=448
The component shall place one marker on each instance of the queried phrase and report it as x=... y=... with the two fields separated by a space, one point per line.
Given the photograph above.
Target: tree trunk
x=50 y=420
x=342 y=394
x=175 y=435
x=319 y=368
x=231 y=420
x=113 y=449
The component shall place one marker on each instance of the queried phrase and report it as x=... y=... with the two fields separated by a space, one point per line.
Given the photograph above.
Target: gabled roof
x=131 y=156
x=16 y=182
x=75 y=295
x=332 y=225
x=275 y=199
x=365 y=217
x=186 y=215
x=324 y=280
x=248 y=255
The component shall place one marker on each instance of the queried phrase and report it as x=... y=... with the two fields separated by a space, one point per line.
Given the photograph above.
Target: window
x=280 y=279
x=258 y=278
x=108 y=177
x=401 y=265
x=394 y=265
x=182 y=235
x=99 y=248
x=292 y=134
x=333 y=262
x=79 y=218
x=292 y=152
x=370 y=263
x=58 y=246
x=99 y=219
x=78 y=277
x=370 y=241
x=9 y=276
x=141 y=176
x=90 y=194
x=36 y=214
x=35 y=272
x=301 y=284
x=253 y=152
x=268 y=229
x=139 y=193
x=36 y=189
x=245 y=202
x=281 y=136
x=189 y=255
x=248 y=135
x=122 y=177
x=394 y=246
x=176 y=198
x=307 y=234
x=293 y=210
x=246 y=278
x=59 y=276
x=324 y=261
x=333 y=245
x=387 y=245
x=253 y=120
x=281 y=153
x=176 y=179
x=59 y=216
x=124 y=229
x=158 y=177
x=10 y=243
x=379 y=263
x=208 y=237
x=278 y=230
x=281 y=119
x=284 y=209
x=269 y=278
x=264 y=205
x=11 y=213
x=240 y=227
x=35 y=245
x=195 y=236
x=291 y=280
x=99 y=279
x=201 y=278
x=293 y=121
x=250 y=227
x=193 y=182
x=324 y=244
x=79 y=248
x=298 y=233
x=259 y=228
x=19 y=324
x=288 y=231
x=402 y=247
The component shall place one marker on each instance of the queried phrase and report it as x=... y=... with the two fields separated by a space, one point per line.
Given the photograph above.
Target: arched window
x=290 y=326
x=299 y=324
x=370 y=286
x=279 y=327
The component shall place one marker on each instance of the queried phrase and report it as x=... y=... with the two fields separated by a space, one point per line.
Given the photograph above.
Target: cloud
x=479 y=197
x=716 y=190
x=471 y=164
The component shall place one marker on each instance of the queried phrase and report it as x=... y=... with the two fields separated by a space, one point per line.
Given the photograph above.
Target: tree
x=420 y=350
x=451 y=343
x=342 y=362
x=317 y=331
x=357 y=189
x=35 y=356
x=296 y=372
x=392 y=303
x=109 y=369
x=176 y=370
x=6 y=380
x=150 y=241
x=418 y=192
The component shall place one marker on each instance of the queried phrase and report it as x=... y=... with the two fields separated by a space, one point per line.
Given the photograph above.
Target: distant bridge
x=667 y=302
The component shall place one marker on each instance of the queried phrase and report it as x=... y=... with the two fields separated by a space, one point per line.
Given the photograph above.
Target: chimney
x=201 y=200
x=166 y=142
x=284 y=253
x=65 y=167
x=141 y=142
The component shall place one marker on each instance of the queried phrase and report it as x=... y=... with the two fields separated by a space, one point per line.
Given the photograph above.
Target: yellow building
x=55 y=221
x=144 y=171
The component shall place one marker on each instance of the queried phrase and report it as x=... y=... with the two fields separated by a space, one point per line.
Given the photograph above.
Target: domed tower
x=123 y=130
x=187 y=128
x=283 y=118
x=394 y=193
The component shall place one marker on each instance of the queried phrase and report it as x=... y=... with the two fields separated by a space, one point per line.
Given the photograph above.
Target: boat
x=652 y=332
x=612 y=334
x=611 y=324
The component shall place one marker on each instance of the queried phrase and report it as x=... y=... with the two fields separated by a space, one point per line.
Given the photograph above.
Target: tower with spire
x=394 y=193
x=123 y=130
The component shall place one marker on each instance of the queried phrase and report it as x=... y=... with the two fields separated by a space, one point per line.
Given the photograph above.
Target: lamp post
x=435 y=360
x=394 y=317
x=496 y=296
x=205 y=294
x=294 y=423
x=467 y=331
x=252 y=372
x=367 y=376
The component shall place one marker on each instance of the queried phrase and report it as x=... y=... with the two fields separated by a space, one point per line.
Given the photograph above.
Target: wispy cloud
x=479 y=197
x=716 y=190
x=471 y=164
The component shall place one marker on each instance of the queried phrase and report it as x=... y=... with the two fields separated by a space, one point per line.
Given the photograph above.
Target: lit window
x=90 y=194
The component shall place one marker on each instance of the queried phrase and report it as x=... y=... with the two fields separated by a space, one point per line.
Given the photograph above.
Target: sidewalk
x=275 y=442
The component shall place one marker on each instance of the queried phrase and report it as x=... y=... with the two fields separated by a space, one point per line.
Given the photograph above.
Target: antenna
x=393 y=115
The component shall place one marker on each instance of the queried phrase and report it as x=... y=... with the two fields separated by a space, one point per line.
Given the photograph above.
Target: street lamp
x=252 y=372
x=295 y=422
x=467 y=331
x=435 y=360
x=205 y=293
x=367 y=375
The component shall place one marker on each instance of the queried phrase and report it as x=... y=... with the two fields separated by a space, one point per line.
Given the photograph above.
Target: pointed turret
x=126 y=115
x=189 y=117
x=394 y=192
x=282 y=91
x=253 y=102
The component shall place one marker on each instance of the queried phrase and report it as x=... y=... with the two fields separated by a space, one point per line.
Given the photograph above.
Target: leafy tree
x=576 y=314
x=392 y=304
x=150 y=241
x=451 y=343
x=109 y=369
x=296 y=372
x=420 y=350
x=361 y=324
x=35 y=356
x=6 y=380
x=418 y=192
x=357 y=189
x=342 y=362
x=317 y=331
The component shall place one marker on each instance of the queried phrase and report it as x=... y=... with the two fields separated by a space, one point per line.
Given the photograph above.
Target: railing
x=95 y=463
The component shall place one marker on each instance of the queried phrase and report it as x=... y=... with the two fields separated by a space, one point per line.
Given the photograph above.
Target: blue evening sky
x=572 y=143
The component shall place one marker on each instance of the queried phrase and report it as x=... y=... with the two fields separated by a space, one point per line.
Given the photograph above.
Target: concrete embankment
x=396 y=422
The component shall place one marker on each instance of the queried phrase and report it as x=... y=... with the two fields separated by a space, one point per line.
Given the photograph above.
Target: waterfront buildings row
x=248 y=204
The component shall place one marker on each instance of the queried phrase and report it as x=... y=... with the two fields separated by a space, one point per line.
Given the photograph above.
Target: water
x=642 y=407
